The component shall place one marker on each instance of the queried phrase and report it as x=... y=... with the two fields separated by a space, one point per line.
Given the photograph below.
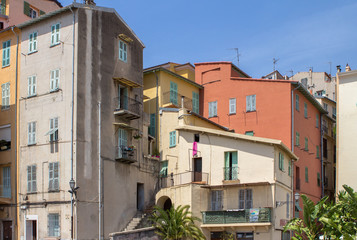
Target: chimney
x=338 y=68
x=347 y=69
x=89 y=2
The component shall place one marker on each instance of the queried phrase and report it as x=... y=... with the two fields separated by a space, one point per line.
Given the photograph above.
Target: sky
x=301 y=34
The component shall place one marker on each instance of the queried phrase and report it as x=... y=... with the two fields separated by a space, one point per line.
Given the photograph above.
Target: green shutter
x=173 y=93
x=26 y=8
x=306 y=174
x=42 y=12
x=317 y=151
x=289 y=168
x=152 y=127
x=249 y=133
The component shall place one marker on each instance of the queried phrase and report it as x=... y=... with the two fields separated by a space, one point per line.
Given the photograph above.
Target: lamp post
x=281 y=203
x=73 y=192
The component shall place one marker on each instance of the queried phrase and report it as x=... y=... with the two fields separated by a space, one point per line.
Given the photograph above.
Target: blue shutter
x=173 y=93
x=152 y=130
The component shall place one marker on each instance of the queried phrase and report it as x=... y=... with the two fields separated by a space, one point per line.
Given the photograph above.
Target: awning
x=125 y=126
x=52 y=131
x=127 y=82
x=297 y=207
x=163 y=171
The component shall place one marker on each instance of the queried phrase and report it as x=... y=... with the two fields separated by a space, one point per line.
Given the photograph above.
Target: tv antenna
x=291 y=72
x=274 y=62
x=237 y=51
x=330 y=66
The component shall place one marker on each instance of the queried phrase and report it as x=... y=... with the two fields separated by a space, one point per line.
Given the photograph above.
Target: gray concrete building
x=83 y=165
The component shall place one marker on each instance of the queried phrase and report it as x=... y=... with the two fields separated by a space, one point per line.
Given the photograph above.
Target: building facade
x=346 y=129
x=235 y=183
x=271 y=108
x=81 y=126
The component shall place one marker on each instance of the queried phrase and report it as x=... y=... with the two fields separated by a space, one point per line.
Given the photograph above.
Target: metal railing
x=126 y=103
x=5 y=191
x=253 y=215
x=183 y=178
x=230 y=173
x=126 y=154
x=176 y=99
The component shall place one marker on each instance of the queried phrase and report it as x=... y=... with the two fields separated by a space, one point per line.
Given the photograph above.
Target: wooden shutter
x=248 y=198
x=253 y=103
x=152 y=127
x=56 y=176
x=234 y=165
x=241 y=199
x=50 y=176
x=306 y=174
x=29 y=179
x=34 y=178
x=248 y=102
x=173 y=93
x=287 y=206
x=27 y=9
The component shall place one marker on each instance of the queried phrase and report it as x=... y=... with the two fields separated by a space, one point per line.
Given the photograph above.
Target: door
x=197 y=169
x=122 y=142
x=245 y=236
x=31 y=230
x=122 y=97
x=140 y=197
x=7 y=230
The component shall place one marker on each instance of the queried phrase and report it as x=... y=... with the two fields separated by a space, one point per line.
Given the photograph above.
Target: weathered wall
x=142 y=234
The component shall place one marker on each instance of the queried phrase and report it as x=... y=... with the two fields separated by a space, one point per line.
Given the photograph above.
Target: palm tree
x=176 y=223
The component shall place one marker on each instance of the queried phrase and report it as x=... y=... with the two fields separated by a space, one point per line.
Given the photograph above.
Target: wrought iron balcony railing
x=126 y=154
x=253 y=215
x=175 y=99
x=127 y=107
x=230 y=173
x=183 y=178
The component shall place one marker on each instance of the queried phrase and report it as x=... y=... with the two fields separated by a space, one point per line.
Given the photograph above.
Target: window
x=31 y=133
x=31 y=179
x=212 y=109
x=245 y=198
x=173 y=139
x=290 y=167
x=5 y=96
x=325 y=106
x=318 y=179
x=306 y=174
x=53 y=225
x=249 y=133
x=245 y=236
x=305 y=110
x=123 y=54
x=152 y=124
x=306 y=144
x=173 y=93
x=250 y=103
x=297 y=139
x=33 y=42
x=333 y=112
x=53 y=176
x=216 y=200
x=53 y=129
x=6 y=181
x=232 y=106
x=163 y=171
x=122 y=142
x=297 y=103
x=230 y=166
x=281 y=161
x=195 y=102
x=320 y=93
x=324 y=149
x=6 y=53
x=285 y=235
x=55 y=34
x=33 y=13
x=317 y=151
x=31 y=91
x=54 y=81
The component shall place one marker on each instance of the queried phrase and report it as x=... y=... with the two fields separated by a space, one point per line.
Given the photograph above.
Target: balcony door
x=197 y=169
x=122 y=141
x=122 y=97
x=231 y=166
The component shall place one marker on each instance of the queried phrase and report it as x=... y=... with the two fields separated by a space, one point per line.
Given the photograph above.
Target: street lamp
x=73 y=191
x=281 y=203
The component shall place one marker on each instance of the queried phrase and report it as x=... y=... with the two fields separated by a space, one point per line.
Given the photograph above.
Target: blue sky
x=300 y=33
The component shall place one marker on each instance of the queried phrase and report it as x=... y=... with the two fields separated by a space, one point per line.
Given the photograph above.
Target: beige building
x=69 y=140
x=328 y=146
x=235 y=183
x=346 y=130
x=319 y=84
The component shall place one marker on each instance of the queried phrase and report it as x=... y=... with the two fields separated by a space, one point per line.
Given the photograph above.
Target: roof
x=225 y=62
x=57 y=2
x=276 y=71
x=243 y=137
x=77 y=5
x=159 y=68
x=207 y=120
x=263 y=80
x=327 y=98
x=160 y=65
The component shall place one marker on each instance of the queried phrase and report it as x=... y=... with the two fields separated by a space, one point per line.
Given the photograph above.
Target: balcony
x=184 y=178
x=173 y=99
x=253 y=215
x=127 y=108
x=230 y=173
x=125 y=154
x=5 y=145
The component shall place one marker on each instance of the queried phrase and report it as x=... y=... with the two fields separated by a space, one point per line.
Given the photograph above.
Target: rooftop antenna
x=274 y=62
x=291 y=72
x=237 y=51
x=330 y=67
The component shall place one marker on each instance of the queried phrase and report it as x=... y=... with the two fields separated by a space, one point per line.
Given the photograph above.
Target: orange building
x=278 y=109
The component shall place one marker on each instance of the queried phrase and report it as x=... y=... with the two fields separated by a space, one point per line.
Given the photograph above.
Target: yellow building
x=169 y=85
x=9 y=71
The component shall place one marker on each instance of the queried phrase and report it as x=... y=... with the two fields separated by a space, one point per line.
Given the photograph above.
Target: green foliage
x=227 y=236
x=176 y=223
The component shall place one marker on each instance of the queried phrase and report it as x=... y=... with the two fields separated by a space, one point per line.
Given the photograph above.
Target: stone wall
x=143 y=234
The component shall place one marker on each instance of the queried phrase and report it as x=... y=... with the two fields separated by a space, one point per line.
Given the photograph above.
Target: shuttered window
x=31 y=179
x=31 y=89
x=33 y=42
x=317 y=120
x=251 y=103
x=53 y=133
x=317 y=151
x=173 y=93
x=306 y=144
x=318 y=179
x=297 y=102
x=305 y=110
x=245 y=199
x=297 y=139
x=54 y=80
x=53 y=225
x=232 y=106
x=31 y=138
x=123 y=53
x=55 y=34
x=212 y=109
x=281 y=161
x=216 y=200
x=5 y=95
x=195 y=102
x=6 y=180
x=306 y=174
x=53 y=171
x=173 y=139
x=6 y=53
x=152 y=127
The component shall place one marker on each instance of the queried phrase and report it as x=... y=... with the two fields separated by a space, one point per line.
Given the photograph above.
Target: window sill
x=172 y=146
x=31 y=96
x=54 y=191
x=30 y=53
x=251 y=111
x=5 y=108
x=212 y=116
x=54 y=90
x=55 y=44
x=31 y=193
x=31 y=144
x=123 y=60
x=6 y=66
x=232 y=114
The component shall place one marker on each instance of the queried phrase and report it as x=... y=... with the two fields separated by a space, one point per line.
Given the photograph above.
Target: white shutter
x=56 y=176
x=29 y=179
x=50 y=176
x=253 y=103
x=34 y=179
x=248 y=102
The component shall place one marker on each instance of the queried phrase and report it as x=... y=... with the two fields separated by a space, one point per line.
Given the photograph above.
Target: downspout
x=72 y=120
x=16 y=118
x=157 y=109
x=99 y=174
x=322 y=175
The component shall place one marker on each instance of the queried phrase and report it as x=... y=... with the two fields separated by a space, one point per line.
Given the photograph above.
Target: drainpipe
x=16 y=118
x=72 y=120
x=100 y=173
x=157 y=108
x=322 y=175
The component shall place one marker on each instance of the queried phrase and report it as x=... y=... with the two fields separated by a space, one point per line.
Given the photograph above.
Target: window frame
x=212 y=109
x=55 y=76
x=305 y=110
x=123 y=51
x=5 y=96
x=55 y=34
x=281 y=162
x=172 y=142
x=297 y=102
x=56 y=232
x=6 y=45
x=32 y=86
x=232 y=106
x=53 y=176
x=33 y=42
x=306 y=144
x=251 y=103
x=196 y=102
x=32 y=178
x=31 y=133
x=53 y=132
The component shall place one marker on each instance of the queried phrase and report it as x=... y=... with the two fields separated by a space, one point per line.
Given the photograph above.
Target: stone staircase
x=140 y=220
